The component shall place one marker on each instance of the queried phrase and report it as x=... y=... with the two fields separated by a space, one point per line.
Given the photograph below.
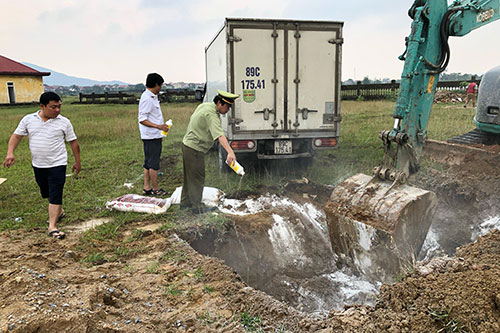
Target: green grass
x=153 y=268
x=206 y=318
x=250 y=323
x=449 y=325
x=95 y=258
x=112 y=155
x=199 y=274
x=175 y=254
x=172 y=290
x=208 y=289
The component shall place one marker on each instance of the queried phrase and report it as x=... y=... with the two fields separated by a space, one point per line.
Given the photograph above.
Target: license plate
x=282 y=147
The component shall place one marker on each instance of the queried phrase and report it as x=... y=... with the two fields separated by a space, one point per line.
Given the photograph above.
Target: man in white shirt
x=47 y=130
x=151 y=124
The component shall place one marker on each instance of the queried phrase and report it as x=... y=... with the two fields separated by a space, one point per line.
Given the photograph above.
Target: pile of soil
x=444 y=96
x=455 y=295
x=467 y=182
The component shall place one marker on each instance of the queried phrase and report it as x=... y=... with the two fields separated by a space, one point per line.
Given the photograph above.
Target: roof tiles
x=8 y=66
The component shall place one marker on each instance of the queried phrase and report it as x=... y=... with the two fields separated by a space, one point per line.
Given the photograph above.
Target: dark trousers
x=193 y=162
x=152 y=153
x=51 y=182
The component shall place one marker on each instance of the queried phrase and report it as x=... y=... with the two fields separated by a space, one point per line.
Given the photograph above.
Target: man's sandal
x=57 y=234
x=159 y=192
x=147 y=192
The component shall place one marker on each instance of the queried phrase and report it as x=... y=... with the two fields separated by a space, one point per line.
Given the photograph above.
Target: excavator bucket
x=377 y=227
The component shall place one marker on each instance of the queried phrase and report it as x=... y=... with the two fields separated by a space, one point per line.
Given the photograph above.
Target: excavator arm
x=426 y=56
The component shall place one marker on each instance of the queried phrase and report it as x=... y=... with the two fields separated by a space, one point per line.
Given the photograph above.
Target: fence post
x=120 y=97
x=358 y=89
x=80 y=97
x=93 y=98
x=106 y=97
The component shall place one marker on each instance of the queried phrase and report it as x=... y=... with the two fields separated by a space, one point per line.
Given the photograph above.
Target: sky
x=126 y=39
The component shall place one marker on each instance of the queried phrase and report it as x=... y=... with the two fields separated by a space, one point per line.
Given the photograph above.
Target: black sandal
x=147 y=192
x=60 y=217
x=61 y=235
x=159 y=192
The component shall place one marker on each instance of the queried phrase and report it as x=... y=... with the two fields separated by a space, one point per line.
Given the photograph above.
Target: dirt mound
x=461 y=295
x=444 y=96
x=466 y=181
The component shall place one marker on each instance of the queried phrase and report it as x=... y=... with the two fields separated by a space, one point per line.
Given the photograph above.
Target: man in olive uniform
x=203 y=129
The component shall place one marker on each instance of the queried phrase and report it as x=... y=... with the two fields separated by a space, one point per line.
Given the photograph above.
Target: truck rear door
x=288 y=76
x=313 y=78
x=256 y=54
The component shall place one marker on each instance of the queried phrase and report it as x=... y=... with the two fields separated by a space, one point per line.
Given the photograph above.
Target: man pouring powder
x=203 y=129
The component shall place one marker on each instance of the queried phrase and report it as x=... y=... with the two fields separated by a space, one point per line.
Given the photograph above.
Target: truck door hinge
x=235 y=121
x=231 y=39
x=336 y=41
x=266 y=112
x=305 y=112
x=330 y=118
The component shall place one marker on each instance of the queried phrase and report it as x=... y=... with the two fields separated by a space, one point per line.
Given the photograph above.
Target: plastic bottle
x=169 y=123
x=237 y=168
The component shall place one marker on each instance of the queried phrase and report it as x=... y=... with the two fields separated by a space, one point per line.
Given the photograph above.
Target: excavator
x=380 y=222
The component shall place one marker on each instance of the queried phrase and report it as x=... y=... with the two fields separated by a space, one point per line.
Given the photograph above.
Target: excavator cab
x=487 y=118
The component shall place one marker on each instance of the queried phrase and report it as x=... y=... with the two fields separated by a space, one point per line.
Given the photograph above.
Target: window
x=12 y=93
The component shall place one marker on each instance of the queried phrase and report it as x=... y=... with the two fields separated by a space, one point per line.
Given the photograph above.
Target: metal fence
x=374 y=91
x=371 y=91
x=108 y=98
x=166 y=96
x=181 y=96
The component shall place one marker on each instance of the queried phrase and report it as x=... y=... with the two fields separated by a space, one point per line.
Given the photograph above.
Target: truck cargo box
x=287 y=73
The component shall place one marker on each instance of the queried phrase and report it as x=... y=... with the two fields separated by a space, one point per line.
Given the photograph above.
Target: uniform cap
x=227 y=96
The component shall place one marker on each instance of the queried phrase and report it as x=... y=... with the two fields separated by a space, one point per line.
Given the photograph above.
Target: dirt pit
x=163 y=285
x=278 y=244
x=281 y=246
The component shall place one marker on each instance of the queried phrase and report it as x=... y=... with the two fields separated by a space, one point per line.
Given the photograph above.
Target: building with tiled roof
x=19 y=83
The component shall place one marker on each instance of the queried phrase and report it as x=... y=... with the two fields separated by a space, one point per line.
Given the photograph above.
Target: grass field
x=111 y=153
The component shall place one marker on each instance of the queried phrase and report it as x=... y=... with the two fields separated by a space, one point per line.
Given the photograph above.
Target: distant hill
x=60 y=79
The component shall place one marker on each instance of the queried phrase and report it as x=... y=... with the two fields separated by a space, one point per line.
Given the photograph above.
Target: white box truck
x=288 y=76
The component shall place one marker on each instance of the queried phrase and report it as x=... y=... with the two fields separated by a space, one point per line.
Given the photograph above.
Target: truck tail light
x=325 y=142
x=242 y=144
